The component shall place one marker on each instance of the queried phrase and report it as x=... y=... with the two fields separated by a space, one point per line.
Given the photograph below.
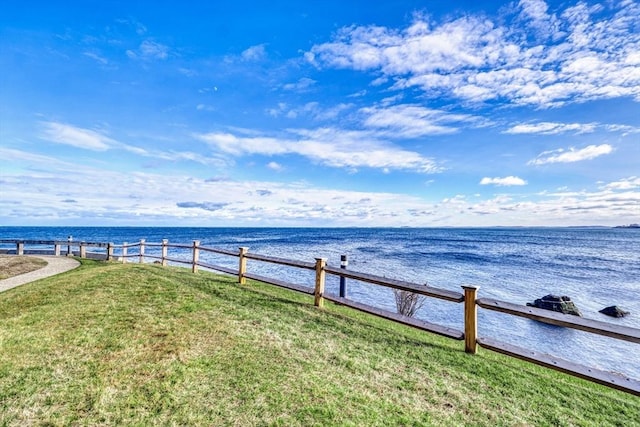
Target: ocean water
x=596 y=267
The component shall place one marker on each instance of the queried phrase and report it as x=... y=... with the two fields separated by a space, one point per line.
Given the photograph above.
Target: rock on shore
x=561 y=304
x=614 y=311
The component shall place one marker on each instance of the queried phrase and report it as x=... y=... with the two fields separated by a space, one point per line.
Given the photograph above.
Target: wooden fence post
x=124 y=252
x=83 y=250
x=320 y=279
x=196 y=256
x=164 y=252
x=56 y=249
x=142 y=241
x=109 y=251
x=344 y=262
x=470 y=319
x=20 y=248
x=242 y=266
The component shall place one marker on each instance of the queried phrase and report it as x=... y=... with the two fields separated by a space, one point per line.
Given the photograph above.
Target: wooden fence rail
x=619 y=332
x=398 y=284
x=59 y=246
x=321 y=269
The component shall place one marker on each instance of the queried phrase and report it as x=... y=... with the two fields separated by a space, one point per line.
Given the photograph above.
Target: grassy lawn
x=12 y=265
x=112 y=344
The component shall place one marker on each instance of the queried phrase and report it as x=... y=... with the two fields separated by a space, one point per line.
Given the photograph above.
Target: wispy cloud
x=148 y=50
x=623 y=184
x=503 y=182
x=311 y=109
x=474 y=59
x=189 y=72
x=18 y=156
x=412 y=121
x=205 y=107
x=147 y=198
x=551 y=128
x=571 y=155
x=328 y=146
x=302 y=85
x=207 y=206
x=275 y=166
x=168 y=198
x=535 y=13
x=554 y=128
x=624 y=129
x=96 y=57
x=139 y=27
x=95 y=140
x=254 y=53
x=62 y=133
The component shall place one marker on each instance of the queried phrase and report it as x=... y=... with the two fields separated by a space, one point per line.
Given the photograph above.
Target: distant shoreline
x=388 y=227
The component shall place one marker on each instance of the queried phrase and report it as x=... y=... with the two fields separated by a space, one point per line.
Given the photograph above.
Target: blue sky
x=320 y=113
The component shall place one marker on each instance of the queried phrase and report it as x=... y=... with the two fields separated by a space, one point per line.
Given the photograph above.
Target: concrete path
x=55 y=265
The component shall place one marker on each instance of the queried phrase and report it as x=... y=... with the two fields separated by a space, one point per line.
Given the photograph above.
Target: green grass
x=111 y=344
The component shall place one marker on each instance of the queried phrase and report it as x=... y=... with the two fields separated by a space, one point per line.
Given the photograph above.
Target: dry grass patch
x=13 y=265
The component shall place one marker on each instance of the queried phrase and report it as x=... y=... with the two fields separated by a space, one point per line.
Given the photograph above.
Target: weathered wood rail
x=619 y=332
x=321 y=269
x=72 y=247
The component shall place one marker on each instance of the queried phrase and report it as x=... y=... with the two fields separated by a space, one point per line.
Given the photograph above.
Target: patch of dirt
x=13 y=265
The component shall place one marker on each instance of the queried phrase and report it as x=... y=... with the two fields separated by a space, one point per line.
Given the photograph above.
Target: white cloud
x=503 y=182
x=328 y=146
x=302 y=85
x=159 y=199
x=152 y=49
x=88 y=139
x=149 y=49
x=102 y=60
x=551 y=128
x=412 y=121
x=624 y=129
x=144 y=198
x=278 y=110
x=19 y=156
x=571 y=155
x=332 y=113
x=205 y=107
x=535 y=12
x=207 y=206
x=275 y=166
x=254 y=53
x=311 y=109
x=624 y=184
x=590 y=56
x=77 y=137
x=139 y=27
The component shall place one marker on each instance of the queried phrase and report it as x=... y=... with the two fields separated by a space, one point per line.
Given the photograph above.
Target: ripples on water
x=597 y=267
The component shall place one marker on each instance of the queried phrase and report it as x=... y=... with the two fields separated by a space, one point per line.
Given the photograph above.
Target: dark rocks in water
x=561 y=304
x=614 y=311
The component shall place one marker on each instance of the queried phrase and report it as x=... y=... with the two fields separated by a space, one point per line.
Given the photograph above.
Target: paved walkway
x=55 y=265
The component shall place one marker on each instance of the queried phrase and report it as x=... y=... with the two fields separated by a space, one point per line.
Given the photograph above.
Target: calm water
x=596 y=267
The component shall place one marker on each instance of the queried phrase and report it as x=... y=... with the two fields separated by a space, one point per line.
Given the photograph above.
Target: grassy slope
x=113 y=344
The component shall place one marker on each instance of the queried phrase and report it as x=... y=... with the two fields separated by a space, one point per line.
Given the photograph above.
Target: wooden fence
x=321 y=269
x=60 y=247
